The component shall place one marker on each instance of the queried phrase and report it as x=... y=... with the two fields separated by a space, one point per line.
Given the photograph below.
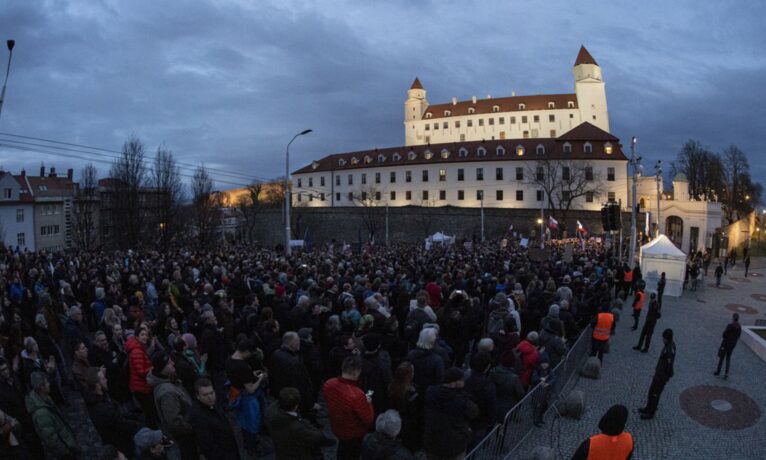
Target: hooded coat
x=56 y=435
x=612 y=424
x=139 y=365
x=449 y=412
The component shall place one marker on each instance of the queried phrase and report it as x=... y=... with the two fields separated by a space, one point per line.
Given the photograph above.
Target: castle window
x=495 y=108
x=587 y=148
x=429 y=115
x=481 y=122
x=428 y=155
x=364 y=178
x=300 y=183
x=412 y=155
x=553 y=133
x=479 y=173
x=460 y=174
x=526 y=135
x=408 y=195
x=513 y=120
x=502 y=120
x=397 y=157
x=442 y=175
x=551 y=118
x=314 y=164
x=540 y=149
x=524 y=119
x=393 y=195
x=425 y=195
x=461 y=195
x=445 y=154
x=428 y=127
x=457 y=124
x=445 y=125
x=354 y=161
x=491 y=121
x=610 y=174
x=608 y=148
x=463 y=152
x=337 y=180
x=567 y=147
x=350 y=179
x=436 y=126
x=367 y=159
x=341 y=162
x=519 y=174
x=570 y=104
x=500 y=150
x=481 y=151
x=522 y=106
x=407 y=176
x=442 y=194
x=377 y=178
x=471 y=110
x=551 y=105
x=520 y=150
x=469 y=123
x=447 y=113
x=392 y=177
x=311 y=181
x=381 y=158
x=536 y=118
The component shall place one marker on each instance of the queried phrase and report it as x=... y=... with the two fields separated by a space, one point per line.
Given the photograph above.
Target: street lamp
x=287 y=191
x=634 y=162
x=10 y=44
x=658 y=177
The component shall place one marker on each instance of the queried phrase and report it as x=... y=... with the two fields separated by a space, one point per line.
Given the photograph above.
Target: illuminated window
x=608 y=148
x=520 y=150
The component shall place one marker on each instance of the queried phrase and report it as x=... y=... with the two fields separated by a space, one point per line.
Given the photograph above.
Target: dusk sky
x=228 y=83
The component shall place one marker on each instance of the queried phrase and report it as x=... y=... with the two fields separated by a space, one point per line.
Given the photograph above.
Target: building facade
x=17 y=226
x=514 y=117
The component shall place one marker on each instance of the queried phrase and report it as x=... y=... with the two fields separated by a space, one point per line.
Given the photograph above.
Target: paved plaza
x=700 y=416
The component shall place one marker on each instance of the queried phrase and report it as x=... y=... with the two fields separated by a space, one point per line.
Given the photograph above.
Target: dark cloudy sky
x=227 y=83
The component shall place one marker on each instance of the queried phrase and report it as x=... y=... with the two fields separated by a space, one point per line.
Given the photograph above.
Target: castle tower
x=414 y=108
x=590 y=90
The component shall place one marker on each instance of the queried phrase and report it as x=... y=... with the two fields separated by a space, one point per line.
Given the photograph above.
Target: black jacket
x=214 y=344
x=111 y=425
x=429 y=368
x=376 y=376
x=214 y=434
x=287 y=370
x=664 y=369
x=294 y=438
x=483 y=392
x=377 y=446
x=653 y=314
x=731 y=336
x=449 y=412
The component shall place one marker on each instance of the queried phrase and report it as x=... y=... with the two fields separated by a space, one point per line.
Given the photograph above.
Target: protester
x=349 y=409
x=613 y=443
x=730 y=337
x=295 y=438
x=215 y=437
x=57 y=437
x=663 y=372
x=448 y=415
x=383 y=443
x=173 y=404
x=112 y=425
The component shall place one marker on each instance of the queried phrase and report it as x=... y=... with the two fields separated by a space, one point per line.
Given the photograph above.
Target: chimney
x=473 y=99
x=454 y=100
x=513 y=93
x=70 y=173
x=23 y=173
x=42 y=170
x=52 y=173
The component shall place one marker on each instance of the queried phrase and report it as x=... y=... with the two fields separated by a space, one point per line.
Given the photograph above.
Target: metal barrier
x=505 y=438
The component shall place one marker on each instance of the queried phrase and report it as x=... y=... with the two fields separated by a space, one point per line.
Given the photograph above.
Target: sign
x=568 y=251
x=524 y=242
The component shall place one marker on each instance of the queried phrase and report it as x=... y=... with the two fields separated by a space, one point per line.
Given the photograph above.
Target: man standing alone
x=662 y=373
x=651 y=320
x=730 y=339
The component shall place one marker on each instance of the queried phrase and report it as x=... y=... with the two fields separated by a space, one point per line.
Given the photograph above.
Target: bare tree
x=249 y=206
x=85 y=208
x=168 y=193
x=129 y=174
x=740 y=193
x=702 y=168
x=369 y=199
x=203 y=204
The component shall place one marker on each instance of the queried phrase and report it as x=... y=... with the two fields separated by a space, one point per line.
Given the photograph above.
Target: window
x=610 y=174
x=570 y=104
x=500 y=150
x=499 y=195
x=442 y=194
x=536 y=118
x=457 y=124
x=491 y=121
x=300 y=184
x=392 y=195
x=519 y=195
x=524 y=119
x=462 y=153
x=428 y=127
x=608 y=148
x=321 y=181
x=321 y=197
x=412 y=155
x=341 y=162
x=428 y=155
x=408 y=195
x=502 y=121
x=460 y=174
x=513 y=120
x=471 y=110
x=425 y=175
x=525 y=135
x=551 y=105
x=445 y=125
x=481 y=122
x=407 y=176
x=397 y=157
x=571 y=115
x=551 y=118
x=377 y=178
x=567 y=147
x=436 y=126
x=377 y=196
x=540 y=149
x=522 y=106
x=311 y=181
x=19 y=215
x=381 y=158
x=445 y=154
x=553 y=133
x=479 y=173
x=460 y=195
x=498 y=173
x=587 y=148
x=566 y=195
x=539 y=173
x=520 y=150
x=337 y=196
x=367 y=159
x=354 y=161
x=424 y=195
x=392 y=177
x=350 y=179
x=469 y=123
x=540 y=195
x=610 y=196
x=364 y=196
x=519 y=173
x=479 y=195
x=429 y=115
x=20 y=238
x=481 y=151
x=7 y=193
x=462 y=137
x=588 y=173
x=589 y=197
x=566 y=173
x=442 y=175
x=364 y=178
x=447 y=113
x=350 y=196
x=495 y=108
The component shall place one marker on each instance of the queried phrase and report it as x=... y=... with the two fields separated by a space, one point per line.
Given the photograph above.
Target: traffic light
x=615 y=216
x=605 y=218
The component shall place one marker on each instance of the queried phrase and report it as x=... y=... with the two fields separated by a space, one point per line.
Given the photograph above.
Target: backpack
x=496 y=323
x=414 y=323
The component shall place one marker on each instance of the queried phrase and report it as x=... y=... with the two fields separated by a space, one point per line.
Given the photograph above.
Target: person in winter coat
x=113 y=427
x=483 y=393
x=57 y=437
x=448 y=414
x=529 y=356
x=213 y=344
x=139 y=366
x=662 y=373
x=408 y=403
x=429 y=366
x=215 y=437
x=730 y=338
x=287 y=370
x=294 y=437
x=376 y=372
x=543 y=376
x=507 y=383
x=173 y=404
x=649 y=323
x=613 y=442
x=382 y=444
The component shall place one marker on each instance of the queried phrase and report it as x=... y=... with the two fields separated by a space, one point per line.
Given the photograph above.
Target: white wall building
x=17 y=227
x=515 y=117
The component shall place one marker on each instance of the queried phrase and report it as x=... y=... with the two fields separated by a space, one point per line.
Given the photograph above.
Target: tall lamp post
x=10 y=44
x=634 y=162
x=287 y=191
x=658 y=178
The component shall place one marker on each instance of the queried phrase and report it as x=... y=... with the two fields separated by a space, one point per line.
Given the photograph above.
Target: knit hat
x=613 y=421
x=553 y=310
x=453 y=374
x=146 y=438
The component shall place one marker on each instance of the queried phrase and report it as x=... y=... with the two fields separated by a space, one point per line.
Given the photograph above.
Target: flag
x=510 y=229
x=581 y=228
x=553 y=224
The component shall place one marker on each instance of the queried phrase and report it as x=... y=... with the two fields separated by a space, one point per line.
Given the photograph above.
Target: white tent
x=439 y=237
x=661 y=255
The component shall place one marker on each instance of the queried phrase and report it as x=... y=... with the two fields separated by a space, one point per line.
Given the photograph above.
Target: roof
x=584 y=57
x=450 y=153
x=416 y=84
x=504 y=104
x=680 y=177
x=46 y=186
x=587 y=132
x=662 y=248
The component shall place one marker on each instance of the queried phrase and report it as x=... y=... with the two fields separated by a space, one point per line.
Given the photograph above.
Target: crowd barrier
x=503 y=441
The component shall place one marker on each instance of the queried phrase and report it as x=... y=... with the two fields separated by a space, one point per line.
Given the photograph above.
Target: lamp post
x=287 y=191
x=658 y=178
x=10 y=44
x=542 y=233
x=634 y=162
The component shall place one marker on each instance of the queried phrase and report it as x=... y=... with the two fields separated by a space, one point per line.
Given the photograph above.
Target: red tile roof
x=584 y=57
x=46 y=186
x=554 y=149
x=504 y=104
x=416 y=84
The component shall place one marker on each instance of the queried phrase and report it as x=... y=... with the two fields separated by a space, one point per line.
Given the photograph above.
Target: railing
x=506 y=437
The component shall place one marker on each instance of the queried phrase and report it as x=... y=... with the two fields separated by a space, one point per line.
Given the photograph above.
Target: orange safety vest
x=628 y=276
x=603 y=327
x=640 y=304
x=605 y=447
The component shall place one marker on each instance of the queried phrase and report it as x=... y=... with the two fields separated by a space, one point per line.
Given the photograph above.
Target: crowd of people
x=237 y=351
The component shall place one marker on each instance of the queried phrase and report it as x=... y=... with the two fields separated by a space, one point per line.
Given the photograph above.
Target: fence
x=505 y=438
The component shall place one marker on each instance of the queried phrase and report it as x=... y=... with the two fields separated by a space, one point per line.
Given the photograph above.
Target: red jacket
x=140 y=365
x=350 y=413
x=529 y=356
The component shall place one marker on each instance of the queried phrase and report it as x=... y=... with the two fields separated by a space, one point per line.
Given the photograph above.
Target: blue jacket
x=249 y=413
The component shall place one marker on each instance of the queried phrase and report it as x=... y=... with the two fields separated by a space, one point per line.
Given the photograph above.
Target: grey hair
x=532 y=336
x=100 y=293
x=37 y=380
x=389 y=423
x=303 y=300
x=427 y=339
x=371 y=302
x=290 y=337
x=486 y=344
x=74 y=309
x=29 y=343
